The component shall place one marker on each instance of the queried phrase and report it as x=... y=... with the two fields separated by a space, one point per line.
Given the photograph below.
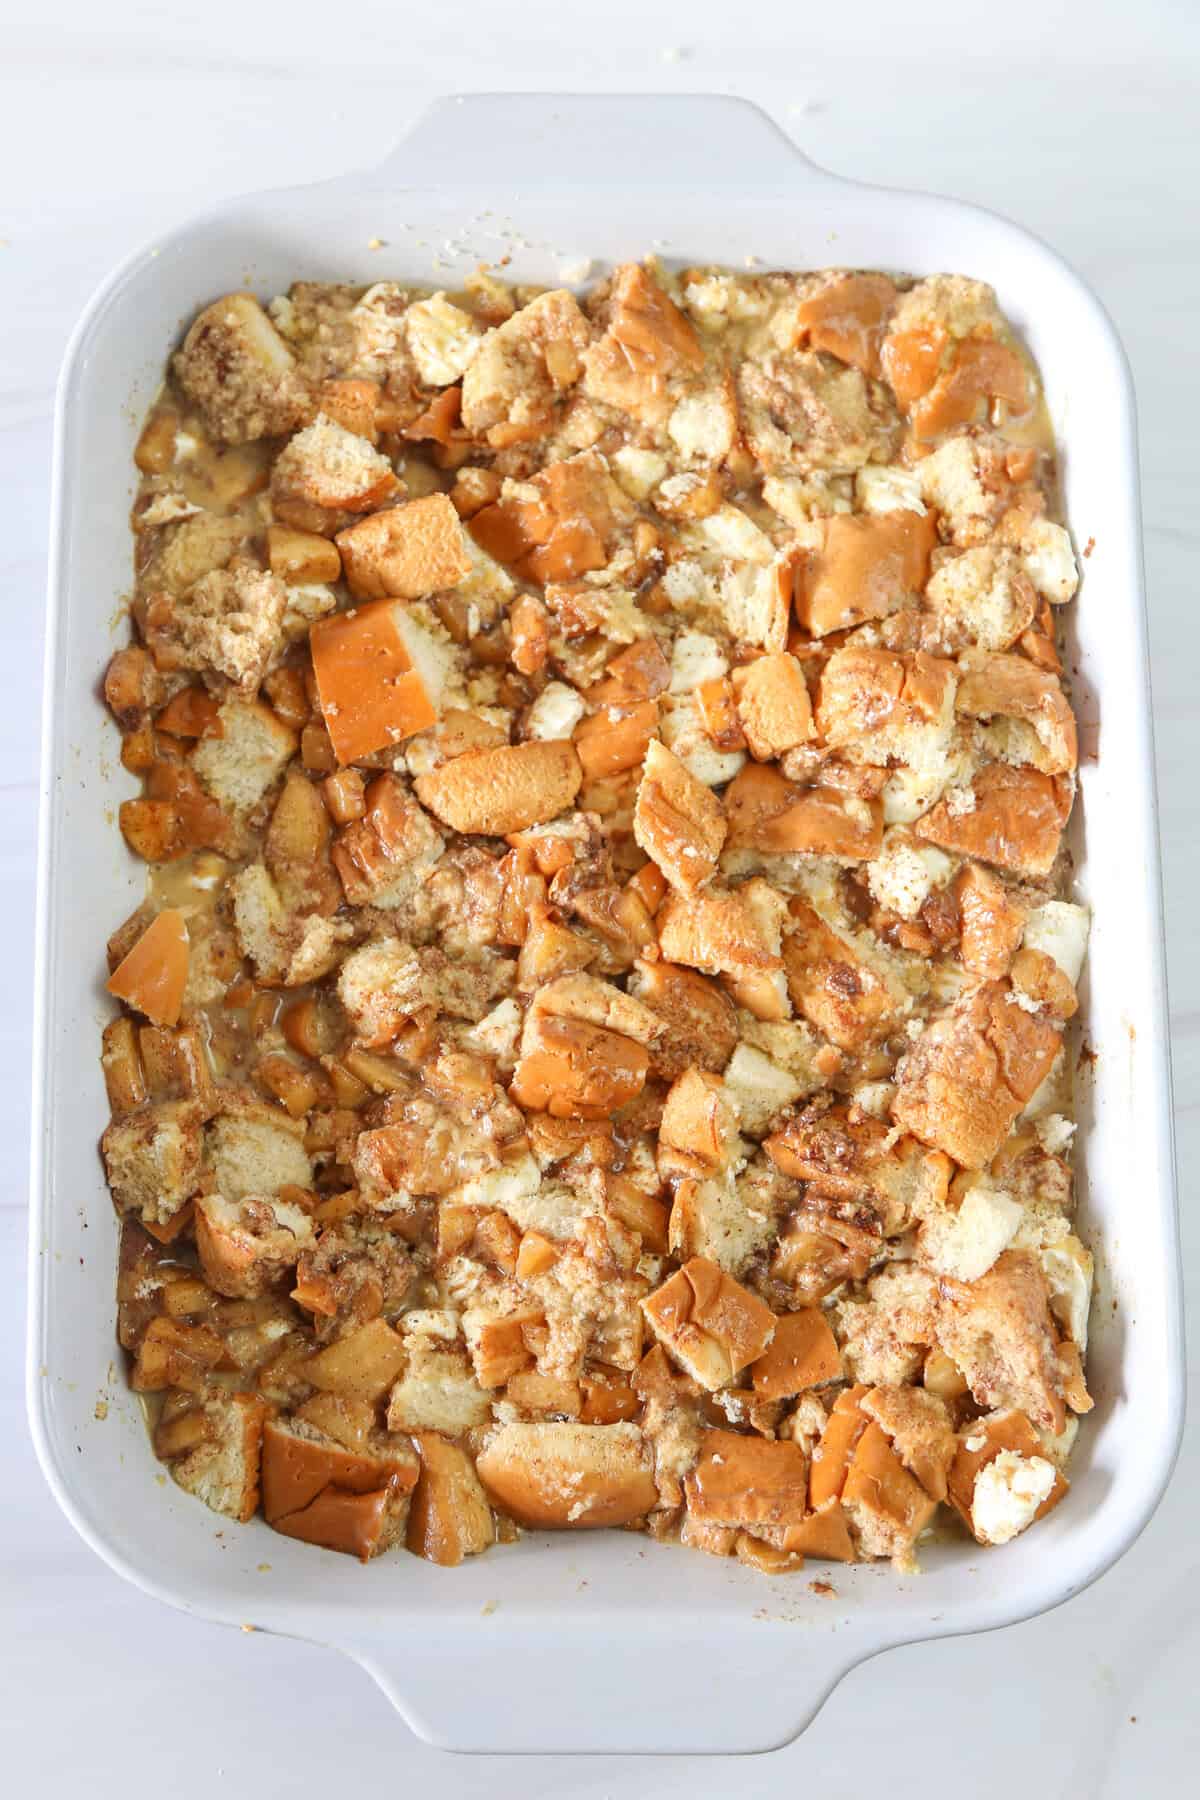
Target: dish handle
x=667 y=1689
x=607 y=140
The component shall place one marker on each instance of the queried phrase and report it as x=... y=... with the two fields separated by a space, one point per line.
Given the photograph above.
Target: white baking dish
x=602 y=1642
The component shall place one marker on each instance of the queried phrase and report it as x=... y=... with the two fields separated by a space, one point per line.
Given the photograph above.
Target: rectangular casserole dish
x=603 y=1642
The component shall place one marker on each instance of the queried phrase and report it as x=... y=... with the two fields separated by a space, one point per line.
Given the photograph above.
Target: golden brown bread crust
x=1014 y=818
x=330 y=1496
x=494 y=792
x=969 y=1075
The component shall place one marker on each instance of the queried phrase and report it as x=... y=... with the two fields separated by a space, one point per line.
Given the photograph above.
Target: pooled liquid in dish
x=591 y=1053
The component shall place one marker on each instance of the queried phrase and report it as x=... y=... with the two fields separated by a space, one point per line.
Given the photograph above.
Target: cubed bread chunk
x=285 y=946
x=380 y=677
x=773 y=816
x=866 y=567
x=698 y=1133
x=887 y=1507
x=882 y=705
x=153 y=1157
x=803 y=411
x=831 y=983
x=748 y=1483
x=152 y=975
x=970 y=1073
x=984 y=594
x=846 y=315
x=677 y=821
x=567 y=1476
x=228 y=625
x=223 y=1466
x=327 y=469
x=699 y=1022
x=437 y=1390
x=254 y=1148
x=646 y=343
x=1032 y=720
x=1000 y=1332
x=718 y=1217
x=802 y=1354
x=992 y=922
x=557 y=527
x=315 y=1490
x=240 y=374
x=920 y=1430
x=383 y=857
x=709 y=1323
x=731 y=931
x=405 y=552
x=449 y=1517
x=240 y=766
x=248 y=1246
x=523 y=368
x=583 y=1049
x=773 y=705
x=1019 y=1494
x=494 y=792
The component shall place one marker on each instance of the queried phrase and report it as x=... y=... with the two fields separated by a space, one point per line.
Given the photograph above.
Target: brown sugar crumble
x=591 y=1051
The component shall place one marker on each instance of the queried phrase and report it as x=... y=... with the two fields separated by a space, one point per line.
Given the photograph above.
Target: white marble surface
x=1077 y=117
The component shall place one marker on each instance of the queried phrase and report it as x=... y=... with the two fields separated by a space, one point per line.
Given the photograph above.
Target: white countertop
x=1078 y=119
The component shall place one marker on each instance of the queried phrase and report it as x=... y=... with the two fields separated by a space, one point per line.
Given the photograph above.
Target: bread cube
x=153 y=1158
x=803 y=1353
x=970 y=1073
x=250 y=1245
x=284 y=946
x=405 y=552
x=315 y=1490
x=437 y=1390
x=383 y=857
x=866 y=566
x=223 y=1467
x=520 y=373
x=917 y=1424
x=228 y=625
x=255 y=1149
x=831 y=984
x=773 y=705
x=722 y=930
x=747 y=1483
x=1000 y=1332
x=677 y=821
x=494 y=792
x=699 y=1024
x=803 y=412
x=567 y=1476
x=241 y=765
x=240 y=374
x=709 y=1323
x=326 y=471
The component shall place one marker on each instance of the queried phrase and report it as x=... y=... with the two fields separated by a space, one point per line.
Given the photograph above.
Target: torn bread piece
x=353 y=1501
x=709 y=1323
x=405 y=552
x=240 y=374
x=228 y=625
x=569 y=1477
x=677 y=821
x=970 y=1073
x=213 y=1448
x=494 y=792
x=380 y=677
